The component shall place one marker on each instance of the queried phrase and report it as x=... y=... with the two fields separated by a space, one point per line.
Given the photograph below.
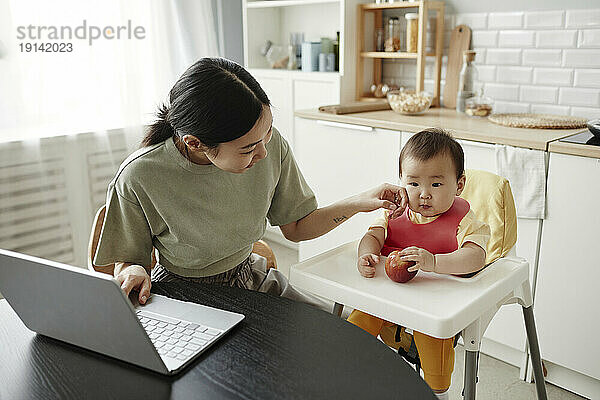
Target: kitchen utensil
x=594 y=127
x=460 y=40
x=540 y=121
x=356 y=107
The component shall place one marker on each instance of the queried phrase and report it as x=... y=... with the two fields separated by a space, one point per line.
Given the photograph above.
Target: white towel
x=525 y=169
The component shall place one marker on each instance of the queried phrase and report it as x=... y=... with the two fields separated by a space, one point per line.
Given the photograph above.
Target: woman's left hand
x=425 y=261
x=388 y=196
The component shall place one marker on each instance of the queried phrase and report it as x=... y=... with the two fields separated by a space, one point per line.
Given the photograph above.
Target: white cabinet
x=505 y=337
x=567 y=296
x=341 y=160
x=295 y=90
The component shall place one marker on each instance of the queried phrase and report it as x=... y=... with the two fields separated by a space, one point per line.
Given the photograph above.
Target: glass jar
x=466 y=82
x=392 y=42
x=412 y=32
x=379 y=39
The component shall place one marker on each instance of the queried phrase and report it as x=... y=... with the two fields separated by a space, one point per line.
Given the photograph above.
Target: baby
x=438 y=231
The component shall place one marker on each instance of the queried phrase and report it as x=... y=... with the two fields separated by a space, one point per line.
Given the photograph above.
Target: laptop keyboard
x=176 y=338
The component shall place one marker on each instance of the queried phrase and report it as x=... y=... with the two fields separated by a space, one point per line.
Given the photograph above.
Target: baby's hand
x=366 y=264
x=425 y=261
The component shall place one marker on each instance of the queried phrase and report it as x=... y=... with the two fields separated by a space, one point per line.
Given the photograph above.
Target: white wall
x=529 y=61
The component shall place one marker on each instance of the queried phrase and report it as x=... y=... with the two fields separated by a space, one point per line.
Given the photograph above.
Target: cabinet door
x=341 y=160
x=567 y=296
x=314 y=90
x=277 y=85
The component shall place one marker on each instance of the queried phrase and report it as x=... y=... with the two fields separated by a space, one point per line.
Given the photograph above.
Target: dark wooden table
x=282 y=350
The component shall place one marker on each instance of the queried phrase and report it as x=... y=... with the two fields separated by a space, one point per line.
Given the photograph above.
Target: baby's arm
x=469 y=258
x=369 y=249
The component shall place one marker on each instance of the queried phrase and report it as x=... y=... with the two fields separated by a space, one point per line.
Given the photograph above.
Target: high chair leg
x=470 y=375
x=337 y=309
x=534 y=347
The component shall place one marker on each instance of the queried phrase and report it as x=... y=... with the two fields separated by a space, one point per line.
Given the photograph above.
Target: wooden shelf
x=286 y=3
x=374 y=73
x=387 y=54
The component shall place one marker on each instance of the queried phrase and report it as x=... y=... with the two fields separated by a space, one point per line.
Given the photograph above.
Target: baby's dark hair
x=431 y=142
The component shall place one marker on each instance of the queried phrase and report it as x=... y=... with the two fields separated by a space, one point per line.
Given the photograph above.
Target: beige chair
x=261 y=248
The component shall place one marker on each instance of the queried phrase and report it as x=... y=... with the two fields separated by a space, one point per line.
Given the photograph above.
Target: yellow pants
x=436 y=355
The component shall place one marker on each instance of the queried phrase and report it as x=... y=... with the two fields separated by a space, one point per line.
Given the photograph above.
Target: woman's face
x=238 y=155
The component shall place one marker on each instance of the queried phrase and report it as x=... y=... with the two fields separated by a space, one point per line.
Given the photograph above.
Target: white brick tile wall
x=510 y=20
x=556 y=39
x=517 y=38
x=553 y=76
x=549 y=109
x=534 y=61
x=484 y=39
x=504 y=56
x=583 y=18
x=589 y=38
x=538 y=94
x=542 y=57
x=587 y=78
x=501 y=91
x=544 y=19
x=579 y=97
x=509 y=107
x=472 y=20
x=480 y=55
x=487 y=73
x=581 y=58
x=585 y=112
x=514 y=74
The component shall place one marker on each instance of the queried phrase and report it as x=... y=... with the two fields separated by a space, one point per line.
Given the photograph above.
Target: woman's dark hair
x=215 y=100
x=429 y=143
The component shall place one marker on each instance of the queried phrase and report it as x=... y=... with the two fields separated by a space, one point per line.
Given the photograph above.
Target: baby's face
x=431 y=185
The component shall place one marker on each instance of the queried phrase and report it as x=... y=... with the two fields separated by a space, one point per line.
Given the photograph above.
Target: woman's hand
x=425 y=261
x=366 y=264
x=135 y=277
x=388 y=196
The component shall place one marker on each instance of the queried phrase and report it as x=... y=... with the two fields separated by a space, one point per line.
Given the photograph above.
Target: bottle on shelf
x=392 y=42
x=466 y=82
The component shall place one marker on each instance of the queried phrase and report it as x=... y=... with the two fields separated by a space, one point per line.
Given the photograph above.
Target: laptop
x=88 y=309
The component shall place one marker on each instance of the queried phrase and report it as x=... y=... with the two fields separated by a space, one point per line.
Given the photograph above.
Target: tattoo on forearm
x=337 y=220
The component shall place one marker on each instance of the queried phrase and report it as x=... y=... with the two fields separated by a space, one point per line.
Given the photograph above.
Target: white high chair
x=437 y=305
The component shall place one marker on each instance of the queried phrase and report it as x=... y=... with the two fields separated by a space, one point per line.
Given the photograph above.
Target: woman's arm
x=322 y=220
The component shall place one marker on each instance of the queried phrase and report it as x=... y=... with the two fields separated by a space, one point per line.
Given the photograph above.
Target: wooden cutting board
x=460 y=40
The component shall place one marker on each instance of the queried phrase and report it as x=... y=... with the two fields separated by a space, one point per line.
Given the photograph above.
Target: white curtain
x=109 y=84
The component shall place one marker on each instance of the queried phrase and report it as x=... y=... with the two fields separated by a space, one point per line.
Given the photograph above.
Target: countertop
x=462 y=127
x=575 y=149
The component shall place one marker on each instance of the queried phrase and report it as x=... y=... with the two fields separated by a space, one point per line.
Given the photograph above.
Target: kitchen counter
x=462 y=127
x=575 y=149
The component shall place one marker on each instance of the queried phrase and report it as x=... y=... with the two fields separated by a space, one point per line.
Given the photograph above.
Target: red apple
x=397 y=270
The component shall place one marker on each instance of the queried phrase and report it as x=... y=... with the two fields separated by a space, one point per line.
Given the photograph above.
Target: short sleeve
x=381 y=221
x=293 y=199
x=473 y=230
x=126 y=235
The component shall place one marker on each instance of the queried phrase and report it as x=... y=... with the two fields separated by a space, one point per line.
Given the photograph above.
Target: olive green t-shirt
x=201 y=219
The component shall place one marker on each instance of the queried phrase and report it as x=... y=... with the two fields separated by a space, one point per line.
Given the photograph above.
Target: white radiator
x=50 y=190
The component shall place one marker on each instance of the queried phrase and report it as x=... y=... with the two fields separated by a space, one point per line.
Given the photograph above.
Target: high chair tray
x=434 y=304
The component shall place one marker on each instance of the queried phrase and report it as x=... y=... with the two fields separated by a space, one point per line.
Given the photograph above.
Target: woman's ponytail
x=160 y=130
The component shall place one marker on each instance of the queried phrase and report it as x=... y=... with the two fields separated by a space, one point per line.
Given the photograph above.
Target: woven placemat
x=540 y=121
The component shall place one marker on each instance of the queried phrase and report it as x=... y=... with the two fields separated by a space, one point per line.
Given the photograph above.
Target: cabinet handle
x=347 y=126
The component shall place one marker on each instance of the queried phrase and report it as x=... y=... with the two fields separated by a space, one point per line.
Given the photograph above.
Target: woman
x=211 y=170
